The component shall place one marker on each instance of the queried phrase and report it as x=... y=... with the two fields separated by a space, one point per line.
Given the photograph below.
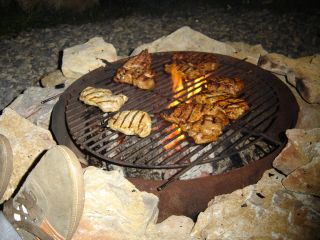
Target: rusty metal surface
x=190 y=197
x=273 y=109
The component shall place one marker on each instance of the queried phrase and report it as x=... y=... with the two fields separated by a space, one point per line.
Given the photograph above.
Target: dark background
x=15 y=19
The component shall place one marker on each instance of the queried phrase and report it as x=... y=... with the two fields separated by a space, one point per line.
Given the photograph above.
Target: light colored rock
x=251 y=52
x=29 y=106
x=265 y=210
x=301 y=149
x=303 y=73
x=309 y=114
x=306 y=179
x=114 y=208
x=174 y=227
x=81 y=59
x=53 y=78
x=28 y=142
x=186 y=39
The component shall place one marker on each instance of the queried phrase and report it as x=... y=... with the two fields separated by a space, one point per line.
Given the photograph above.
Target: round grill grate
x=251 y=137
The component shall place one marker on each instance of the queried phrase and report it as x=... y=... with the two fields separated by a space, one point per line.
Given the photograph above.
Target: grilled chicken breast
x=137 y=72
x=102 y=98
x=232 y=86
x=191 y=67
x=131 y=123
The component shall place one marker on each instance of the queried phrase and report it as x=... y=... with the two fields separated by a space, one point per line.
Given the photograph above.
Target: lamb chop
x=137 y=72
x=102 y=98
x=131 y=123
x=191 y=68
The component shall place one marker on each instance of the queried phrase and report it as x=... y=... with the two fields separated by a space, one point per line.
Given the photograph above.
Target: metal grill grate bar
x=87 y=124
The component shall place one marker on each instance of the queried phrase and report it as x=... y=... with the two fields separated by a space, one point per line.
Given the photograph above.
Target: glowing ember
x=177 y=84
x=172 y=135
x=196 y=87
x=192 y=88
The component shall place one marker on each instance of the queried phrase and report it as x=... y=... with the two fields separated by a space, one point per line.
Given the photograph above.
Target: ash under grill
x=169 y=153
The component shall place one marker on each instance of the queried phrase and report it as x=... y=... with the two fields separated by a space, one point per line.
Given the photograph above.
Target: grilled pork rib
x=137 y=71
x=131 y=123
x=191 y=68
x=102 y=98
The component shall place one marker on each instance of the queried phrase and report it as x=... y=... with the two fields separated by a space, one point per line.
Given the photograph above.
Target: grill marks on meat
x=102 y=98
x=190 y=67
x=133 y=122
x=137 y=72
x=232 y=86
x=233 y=107
x=205 y=117
x=193 y=112
x=202 y=122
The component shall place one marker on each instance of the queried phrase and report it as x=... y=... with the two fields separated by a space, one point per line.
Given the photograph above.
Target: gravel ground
x=29 y=55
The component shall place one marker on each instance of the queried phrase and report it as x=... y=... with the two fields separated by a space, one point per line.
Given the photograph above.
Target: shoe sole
x=53 y=192
x=75 y=166
x=6 y=165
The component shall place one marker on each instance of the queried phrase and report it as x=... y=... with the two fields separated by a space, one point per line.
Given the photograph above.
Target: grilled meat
x=131 y=123
x=206 y=130
x=137 y=71
x=231 y=106
x=102 y=98
x=202 y=122
x=193 y=112
x=211 y=98
x=190 y=67
x=232 y=86
x=234 y=107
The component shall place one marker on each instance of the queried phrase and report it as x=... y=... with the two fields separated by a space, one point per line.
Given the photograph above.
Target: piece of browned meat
x=202 y=122
x=206 y=130
x=192 y=112
x=137 y=72
x=232 y=86
x=233 y=107
x=211 y=98
x=190 y=66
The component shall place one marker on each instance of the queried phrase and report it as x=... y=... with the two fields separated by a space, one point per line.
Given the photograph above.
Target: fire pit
x=242 y=153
